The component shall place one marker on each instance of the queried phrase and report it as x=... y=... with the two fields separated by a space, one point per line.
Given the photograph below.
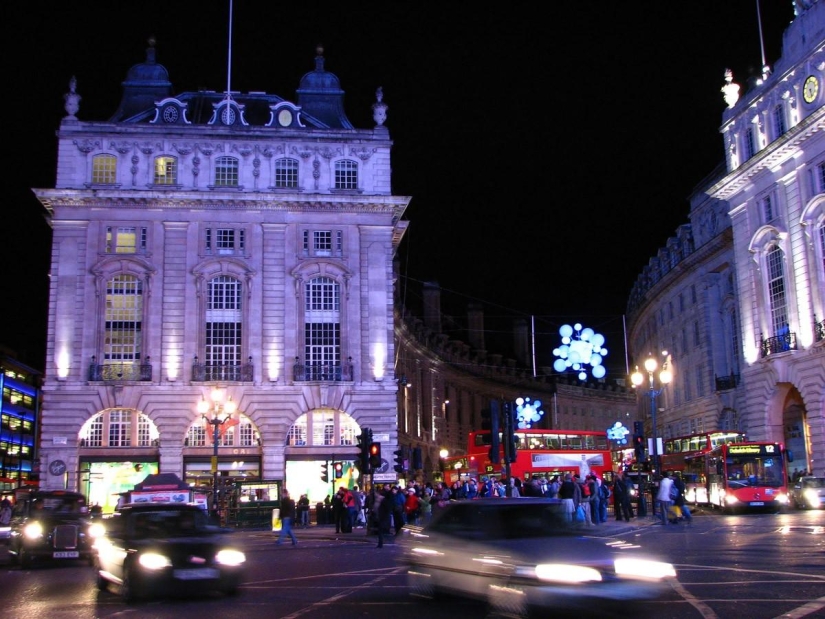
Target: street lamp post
x=664 y=377
x=216 y=412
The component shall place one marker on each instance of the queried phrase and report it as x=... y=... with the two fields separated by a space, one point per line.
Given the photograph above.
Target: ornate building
x=737 y=298
x=218 y=244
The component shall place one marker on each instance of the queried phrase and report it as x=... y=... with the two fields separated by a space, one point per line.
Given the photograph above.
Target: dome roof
x=320 y=95
x=145 y=83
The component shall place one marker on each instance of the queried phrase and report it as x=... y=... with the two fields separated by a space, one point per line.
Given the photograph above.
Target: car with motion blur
x=522 y=555
x=50 y=526
x=164 y=549
x=809 y=493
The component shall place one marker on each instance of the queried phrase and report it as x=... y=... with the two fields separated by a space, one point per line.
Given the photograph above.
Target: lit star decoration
x=618 y=433
x=527 y=412
x=580 y=348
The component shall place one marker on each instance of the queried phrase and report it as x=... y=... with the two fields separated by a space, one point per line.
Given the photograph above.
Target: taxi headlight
x=643 y=568
x=230 y=557
x=96 y=530
x=153 y=561
x=33 y=530
x=566 y=573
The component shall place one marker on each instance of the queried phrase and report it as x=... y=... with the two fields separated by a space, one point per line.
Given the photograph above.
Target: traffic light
x=375 y=456
x=338 y=468
x=495 y=444
x=639 y=447
x=364 y=440
x=400 y=465
x=324 y=473
x=512 y=423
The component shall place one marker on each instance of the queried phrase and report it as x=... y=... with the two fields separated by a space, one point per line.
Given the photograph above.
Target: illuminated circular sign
x=581 y=347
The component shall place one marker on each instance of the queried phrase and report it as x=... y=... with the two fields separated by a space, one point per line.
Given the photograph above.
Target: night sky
x=549 y=148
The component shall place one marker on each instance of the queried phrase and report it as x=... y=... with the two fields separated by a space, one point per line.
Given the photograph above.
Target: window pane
x=103 y=169
x=124 y=312
x=226 y=172
x=286 y=173
x=166 y=171
x=346 y=175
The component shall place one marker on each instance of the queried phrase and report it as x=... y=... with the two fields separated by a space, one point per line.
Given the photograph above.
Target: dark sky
x=549 y=148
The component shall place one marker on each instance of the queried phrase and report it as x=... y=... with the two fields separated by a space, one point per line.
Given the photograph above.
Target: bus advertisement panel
x=738 y=476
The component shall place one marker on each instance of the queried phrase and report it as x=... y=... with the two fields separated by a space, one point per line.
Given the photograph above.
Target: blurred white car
x=522 y=554
x=809 y=493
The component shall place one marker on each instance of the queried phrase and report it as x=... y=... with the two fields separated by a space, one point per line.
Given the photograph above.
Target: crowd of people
x=389 y=507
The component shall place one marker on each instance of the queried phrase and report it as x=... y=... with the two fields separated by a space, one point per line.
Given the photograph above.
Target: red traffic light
x=338 y=467
x=375 y=456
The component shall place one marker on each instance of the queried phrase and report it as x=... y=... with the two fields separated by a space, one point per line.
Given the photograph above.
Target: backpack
x=604 y=491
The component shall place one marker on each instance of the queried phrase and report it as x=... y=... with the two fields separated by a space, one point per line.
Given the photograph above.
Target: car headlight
x=811 y=496
x=154 y=561
x=643 y=568
x=230 y=557
x=33 y=530
x=96 y=530
x=566 y=573
x=783 y=498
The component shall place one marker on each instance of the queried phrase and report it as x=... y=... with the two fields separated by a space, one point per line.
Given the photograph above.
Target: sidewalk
x=326 y=532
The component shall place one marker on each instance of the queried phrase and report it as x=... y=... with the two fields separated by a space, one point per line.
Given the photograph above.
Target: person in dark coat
x=382 y=511
x=621 y=497
x=287 y=514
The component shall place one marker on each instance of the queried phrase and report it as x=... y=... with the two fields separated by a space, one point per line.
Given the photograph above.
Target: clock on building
x=285 y=118
x=810 y=90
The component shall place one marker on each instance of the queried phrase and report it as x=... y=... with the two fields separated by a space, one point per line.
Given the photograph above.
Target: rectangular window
x=820 y=171
x=124 y=315
x=104 y=170
x=700 y=387
x=749 y=143
x=196 y=436
x=346 y=175
x=166 y=171
x=246 y=435
x=120 y=428
x=681 y=302
x=224 y=241
x=144 y=431
x=776 y=291
x=226 y=172
x=286 y=174
x=94 y=436
x=693 y=294
x=697 y=339
x=322 y=243
x=125 y=240
x=767 y=209
x=779 y=121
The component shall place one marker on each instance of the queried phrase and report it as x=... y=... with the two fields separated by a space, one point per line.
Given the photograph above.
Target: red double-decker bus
x=544 y=452
x=738 y=476
x=677 y=450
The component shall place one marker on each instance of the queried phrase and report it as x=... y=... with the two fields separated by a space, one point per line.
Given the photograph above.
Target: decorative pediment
x=170 y=111
x=228 y=113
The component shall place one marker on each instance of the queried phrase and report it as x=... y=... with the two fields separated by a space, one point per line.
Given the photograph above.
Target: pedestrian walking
x=287 y=505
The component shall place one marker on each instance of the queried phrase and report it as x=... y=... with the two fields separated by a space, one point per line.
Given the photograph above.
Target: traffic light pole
x=508 y=445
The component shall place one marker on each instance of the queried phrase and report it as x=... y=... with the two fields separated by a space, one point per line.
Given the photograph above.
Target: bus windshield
x=754 y=471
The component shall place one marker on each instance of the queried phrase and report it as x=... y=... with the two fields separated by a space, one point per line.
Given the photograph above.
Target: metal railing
x=724 y=383
x=223 y=372
x=120 y=371
x=322 y=372
x=778 y=343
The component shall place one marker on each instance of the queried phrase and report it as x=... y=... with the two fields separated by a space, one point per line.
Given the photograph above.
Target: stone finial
x=72 y=99
x=379 y=108
x=730 y=90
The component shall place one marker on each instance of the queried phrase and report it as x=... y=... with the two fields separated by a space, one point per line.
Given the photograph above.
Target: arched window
x=119 y=427
x=104 y=170
x=237 y=432
x=323 y=428
x=286 y=173
x=346 y=174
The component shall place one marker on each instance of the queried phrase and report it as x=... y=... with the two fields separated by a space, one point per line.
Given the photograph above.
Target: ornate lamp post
x=664 y=377
x=216 y=411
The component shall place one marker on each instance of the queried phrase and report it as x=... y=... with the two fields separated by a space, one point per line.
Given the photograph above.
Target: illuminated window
x=321 y=425
x=124 y=315
x=120 y=428
x=226 y=172
x=286 y=173
x=776 y=291
x=104 y=170
x=322 y=327
x=125 y=239
x=196 y=437
x=166 y=171
x=346 y=174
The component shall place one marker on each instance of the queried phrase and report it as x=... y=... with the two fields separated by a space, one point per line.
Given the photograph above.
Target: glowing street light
x=665 y=376
x=216 y=411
